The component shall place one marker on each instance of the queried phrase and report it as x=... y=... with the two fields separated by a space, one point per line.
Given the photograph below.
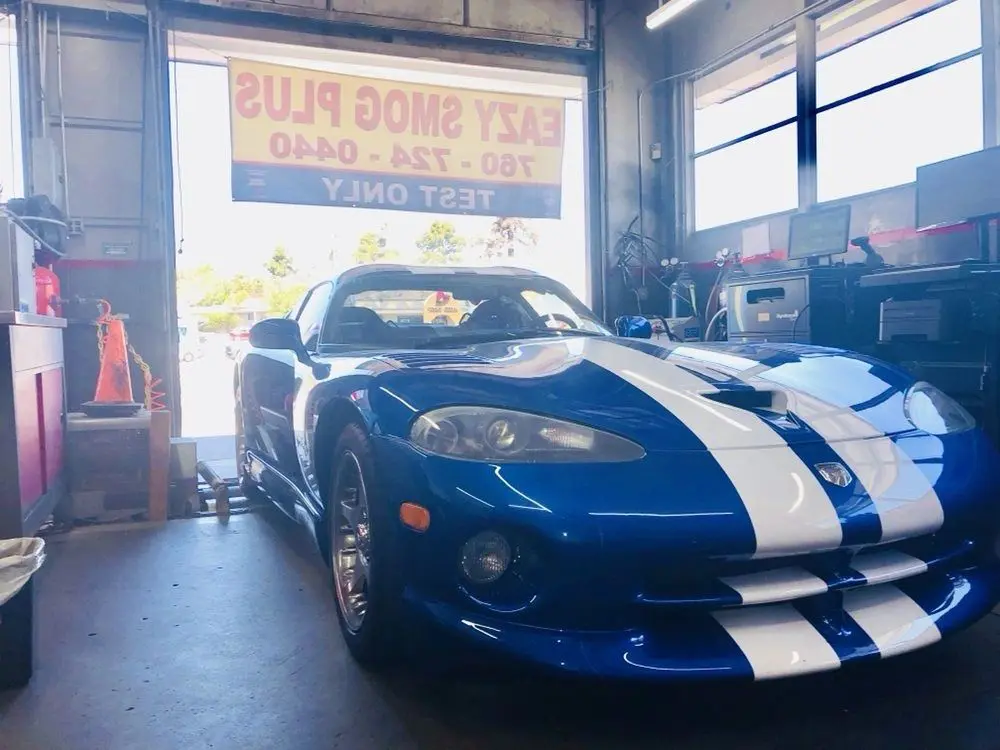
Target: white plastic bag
x=19 y=559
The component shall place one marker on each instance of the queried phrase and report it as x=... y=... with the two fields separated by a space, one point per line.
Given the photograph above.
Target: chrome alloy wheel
x=351 y=542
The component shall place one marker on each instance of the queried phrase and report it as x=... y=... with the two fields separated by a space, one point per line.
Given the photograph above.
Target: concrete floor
x=201 y=635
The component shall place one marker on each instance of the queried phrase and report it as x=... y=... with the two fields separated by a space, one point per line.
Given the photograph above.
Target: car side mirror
x=634 y=327
x=277 y=333
x=283 y=334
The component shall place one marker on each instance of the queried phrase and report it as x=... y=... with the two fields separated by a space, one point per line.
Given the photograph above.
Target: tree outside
x=279 y=265
x=372 y=249
x=223 y=302
x=507 y=236
x=441 y=245
x=233 y=290
x=281 y=299
x=195 y=284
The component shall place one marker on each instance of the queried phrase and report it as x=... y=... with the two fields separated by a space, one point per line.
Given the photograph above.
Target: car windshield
x=407 y=310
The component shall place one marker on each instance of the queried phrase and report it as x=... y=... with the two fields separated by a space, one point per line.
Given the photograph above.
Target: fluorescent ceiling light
x=667 y=12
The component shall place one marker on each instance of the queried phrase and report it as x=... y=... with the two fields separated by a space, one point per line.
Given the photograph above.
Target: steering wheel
x=570 y=323
x=392 y=324
x=464 y=319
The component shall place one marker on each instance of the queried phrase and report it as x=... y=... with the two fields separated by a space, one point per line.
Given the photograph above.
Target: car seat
x=499 y=313
x=361 y=325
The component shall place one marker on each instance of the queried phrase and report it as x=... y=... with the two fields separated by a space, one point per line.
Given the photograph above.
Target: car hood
x=666 y=397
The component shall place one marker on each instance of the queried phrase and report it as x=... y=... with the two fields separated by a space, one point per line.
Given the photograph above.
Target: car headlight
x=478 y=433
x=934 y=412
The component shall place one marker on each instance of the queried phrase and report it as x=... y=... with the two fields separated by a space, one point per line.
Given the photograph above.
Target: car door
x=269 y=384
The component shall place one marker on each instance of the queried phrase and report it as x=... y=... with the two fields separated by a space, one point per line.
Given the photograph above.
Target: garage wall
x=633 y=60
x=713 y=28
x=91 y=100
x=108 y=145
x=568 y=24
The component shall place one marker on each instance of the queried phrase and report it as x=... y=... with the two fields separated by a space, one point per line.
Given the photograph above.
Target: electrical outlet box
x=656 y=151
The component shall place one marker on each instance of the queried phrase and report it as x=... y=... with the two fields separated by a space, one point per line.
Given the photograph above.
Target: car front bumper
x=637 y=580
x=759 y=642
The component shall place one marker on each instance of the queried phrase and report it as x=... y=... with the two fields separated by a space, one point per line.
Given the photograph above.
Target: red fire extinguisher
x=47 y=300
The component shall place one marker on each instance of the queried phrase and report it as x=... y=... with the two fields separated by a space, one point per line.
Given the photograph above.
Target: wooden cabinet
x=52 y=390
x=32 y=406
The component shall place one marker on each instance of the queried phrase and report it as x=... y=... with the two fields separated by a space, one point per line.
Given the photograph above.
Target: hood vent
x=751 y=400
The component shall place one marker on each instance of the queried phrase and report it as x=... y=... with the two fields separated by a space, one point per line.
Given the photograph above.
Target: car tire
x=247 y=486
x=372 y=640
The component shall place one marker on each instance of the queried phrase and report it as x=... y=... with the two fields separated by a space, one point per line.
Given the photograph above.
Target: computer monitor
x=818 y=232
x=959 y=190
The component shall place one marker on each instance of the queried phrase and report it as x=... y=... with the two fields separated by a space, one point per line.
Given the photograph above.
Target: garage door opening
x=11 y=168
x=240 y=260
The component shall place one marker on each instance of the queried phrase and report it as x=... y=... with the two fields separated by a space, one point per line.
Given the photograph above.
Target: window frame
x=749 y=136
x=690 y=155
x=804 y=28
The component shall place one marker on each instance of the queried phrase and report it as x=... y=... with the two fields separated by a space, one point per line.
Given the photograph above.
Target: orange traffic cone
x=113 y=397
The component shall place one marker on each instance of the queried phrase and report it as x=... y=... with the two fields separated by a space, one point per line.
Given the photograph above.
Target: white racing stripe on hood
x=790 y=511
x=903 y=497
x=906 y=502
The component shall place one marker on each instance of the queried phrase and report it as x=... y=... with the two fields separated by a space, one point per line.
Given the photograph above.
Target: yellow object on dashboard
x=441 y=308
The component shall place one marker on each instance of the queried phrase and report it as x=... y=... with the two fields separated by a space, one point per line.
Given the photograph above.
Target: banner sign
x=324 y=139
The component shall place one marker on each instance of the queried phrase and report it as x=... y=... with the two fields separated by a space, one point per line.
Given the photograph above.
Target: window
x=311 y=314
x=879 y=141
x=898 y=85
x=418 y=308
x=448 y=309
x=745 y=160
x=412 y=306
x=752 y=178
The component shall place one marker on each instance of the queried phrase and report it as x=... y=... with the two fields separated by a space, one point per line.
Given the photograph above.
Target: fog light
x=485 y=557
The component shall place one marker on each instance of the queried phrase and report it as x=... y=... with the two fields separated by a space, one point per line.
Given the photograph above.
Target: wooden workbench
x=118 y=464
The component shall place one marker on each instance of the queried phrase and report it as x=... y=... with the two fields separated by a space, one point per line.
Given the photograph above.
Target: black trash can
x=19 y=560
x=17 y=626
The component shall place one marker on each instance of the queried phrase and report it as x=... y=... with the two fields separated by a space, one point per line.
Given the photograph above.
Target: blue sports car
x=480 y=458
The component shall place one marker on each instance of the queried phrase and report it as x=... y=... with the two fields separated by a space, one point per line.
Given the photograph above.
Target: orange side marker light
x=417 y=517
